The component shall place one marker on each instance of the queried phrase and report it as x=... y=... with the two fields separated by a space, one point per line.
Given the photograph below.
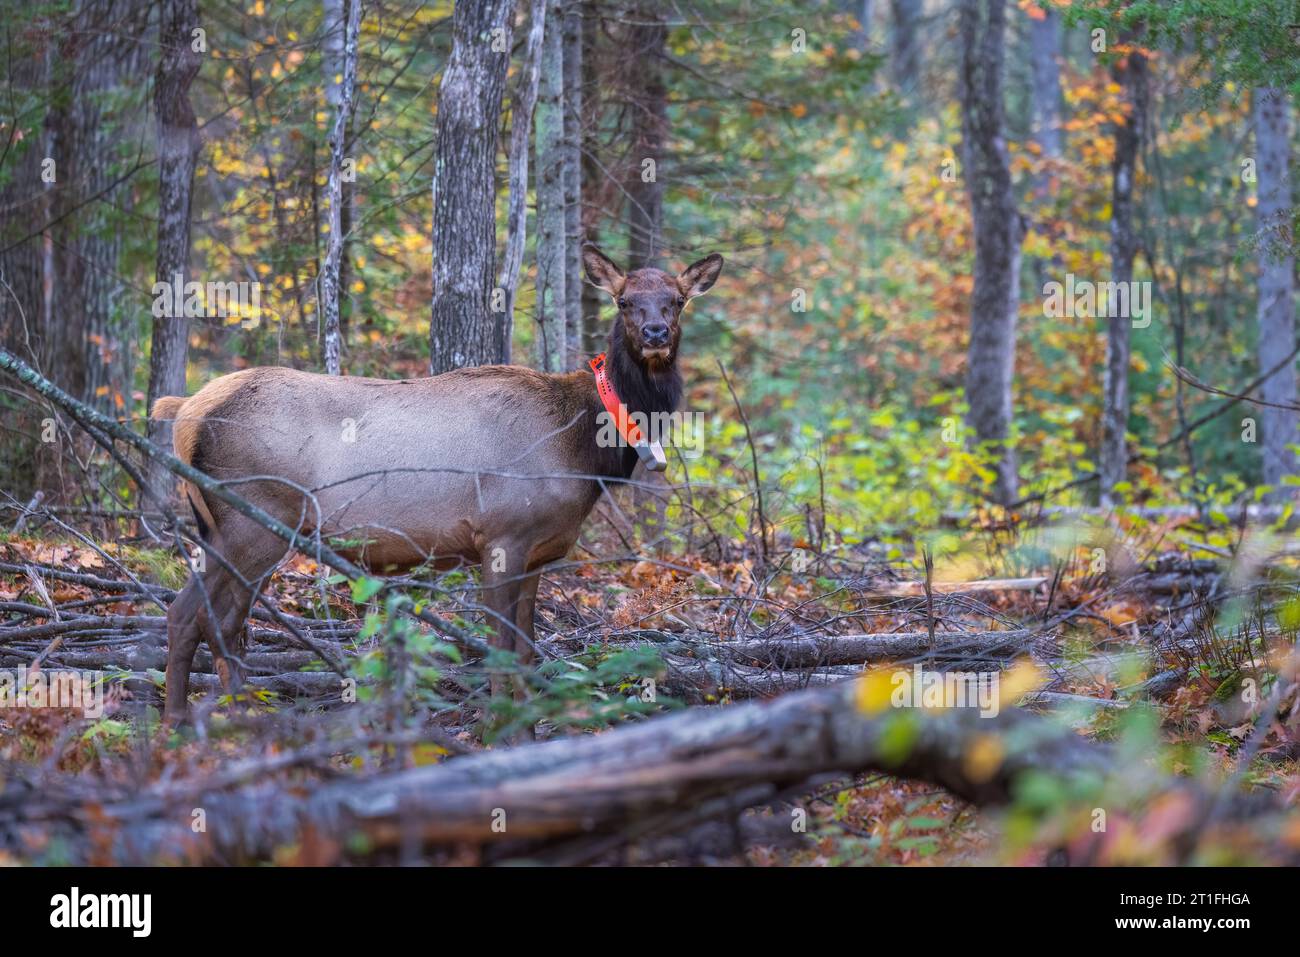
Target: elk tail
x=184 y=440
x=168 y=406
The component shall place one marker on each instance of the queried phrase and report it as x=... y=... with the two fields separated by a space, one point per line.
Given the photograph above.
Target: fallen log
x=295 y=684
x=116 y=589
x=1049 y=700
x=709 y=682
x=917 y=589
x=265 y=663
x=101 y=624
x=1171 y=583
x=578 y=786
x=809 y=651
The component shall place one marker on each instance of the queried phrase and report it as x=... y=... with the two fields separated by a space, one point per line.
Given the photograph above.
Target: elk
x=491 y=465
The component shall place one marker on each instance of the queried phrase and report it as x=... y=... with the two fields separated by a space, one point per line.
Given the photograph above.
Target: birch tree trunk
x=552 y=296
x=334 y=195
x=523 y=102
x=1276 y=293
x=334 y=19
x=573 y=183
x=649 y=106
x=178 y=152
x=462 y=327
x=1130 y=74
x=334 y=28
x=998 y=235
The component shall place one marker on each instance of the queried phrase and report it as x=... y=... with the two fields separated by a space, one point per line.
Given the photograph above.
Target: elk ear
x=601 y=270
x=698 y=278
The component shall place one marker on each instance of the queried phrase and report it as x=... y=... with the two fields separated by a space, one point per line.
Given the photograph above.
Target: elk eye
x=681 y=302
x=622 y=303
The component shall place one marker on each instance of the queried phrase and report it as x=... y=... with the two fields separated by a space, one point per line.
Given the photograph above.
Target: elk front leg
x=503 y=579
x=525 y=637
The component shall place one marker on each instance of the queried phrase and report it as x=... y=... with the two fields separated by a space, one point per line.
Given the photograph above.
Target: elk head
x=650 y=303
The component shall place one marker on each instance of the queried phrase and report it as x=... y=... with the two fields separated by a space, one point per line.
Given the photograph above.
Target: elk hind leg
x=235 y=590
x=182 y=641
x=214 y=605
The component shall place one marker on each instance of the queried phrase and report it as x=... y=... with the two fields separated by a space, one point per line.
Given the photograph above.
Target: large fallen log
x=508 y=800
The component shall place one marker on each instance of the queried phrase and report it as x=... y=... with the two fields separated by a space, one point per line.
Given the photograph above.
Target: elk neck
x=641 y=388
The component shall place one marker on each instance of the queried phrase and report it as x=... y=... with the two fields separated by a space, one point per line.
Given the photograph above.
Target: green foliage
x=1246 y=42
x=591 y=691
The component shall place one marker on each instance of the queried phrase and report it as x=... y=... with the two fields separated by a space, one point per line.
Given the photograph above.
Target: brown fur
x=189 y=414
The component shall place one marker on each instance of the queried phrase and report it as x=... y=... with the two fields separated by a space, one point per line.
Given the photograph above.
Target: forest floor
x=700 y=633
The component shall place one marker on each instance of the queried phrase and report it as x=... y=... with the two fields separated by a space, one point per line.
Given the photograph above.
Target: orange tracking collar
x=651 y=453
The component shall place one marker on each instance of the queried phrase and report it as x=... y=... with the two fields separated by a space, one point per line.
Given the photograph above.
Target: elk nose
x=656 y=334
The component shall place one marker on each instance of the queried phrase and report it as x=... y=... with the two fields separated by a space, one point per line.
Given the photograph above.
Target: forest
x=772 y=433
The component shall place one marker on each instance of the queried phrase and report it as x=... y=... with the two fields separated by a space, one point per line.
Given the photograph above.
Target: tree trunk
x=864 y=12
x=552 y=296
x=1130 y=74
x=998 y=235
x=593 y=334
x=1045 y=66
x=333 y=66
x=462 y=327
x=1276 y=302
x=905 y=48
x=25 y=202
x=178 y=151
x=573 y=184
x=89 y=342
x=649 y=106
x=334 y=193
x=523 y=102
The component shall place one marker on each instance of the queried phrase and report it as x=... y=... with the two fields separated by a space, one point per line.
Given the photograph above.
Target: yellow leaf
x=875 y=690
x=1023 y=677
x=983 y=757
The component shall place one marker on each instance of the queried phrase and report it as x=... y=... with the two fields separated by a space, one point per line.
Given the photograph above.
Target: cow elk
x=495 y=465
